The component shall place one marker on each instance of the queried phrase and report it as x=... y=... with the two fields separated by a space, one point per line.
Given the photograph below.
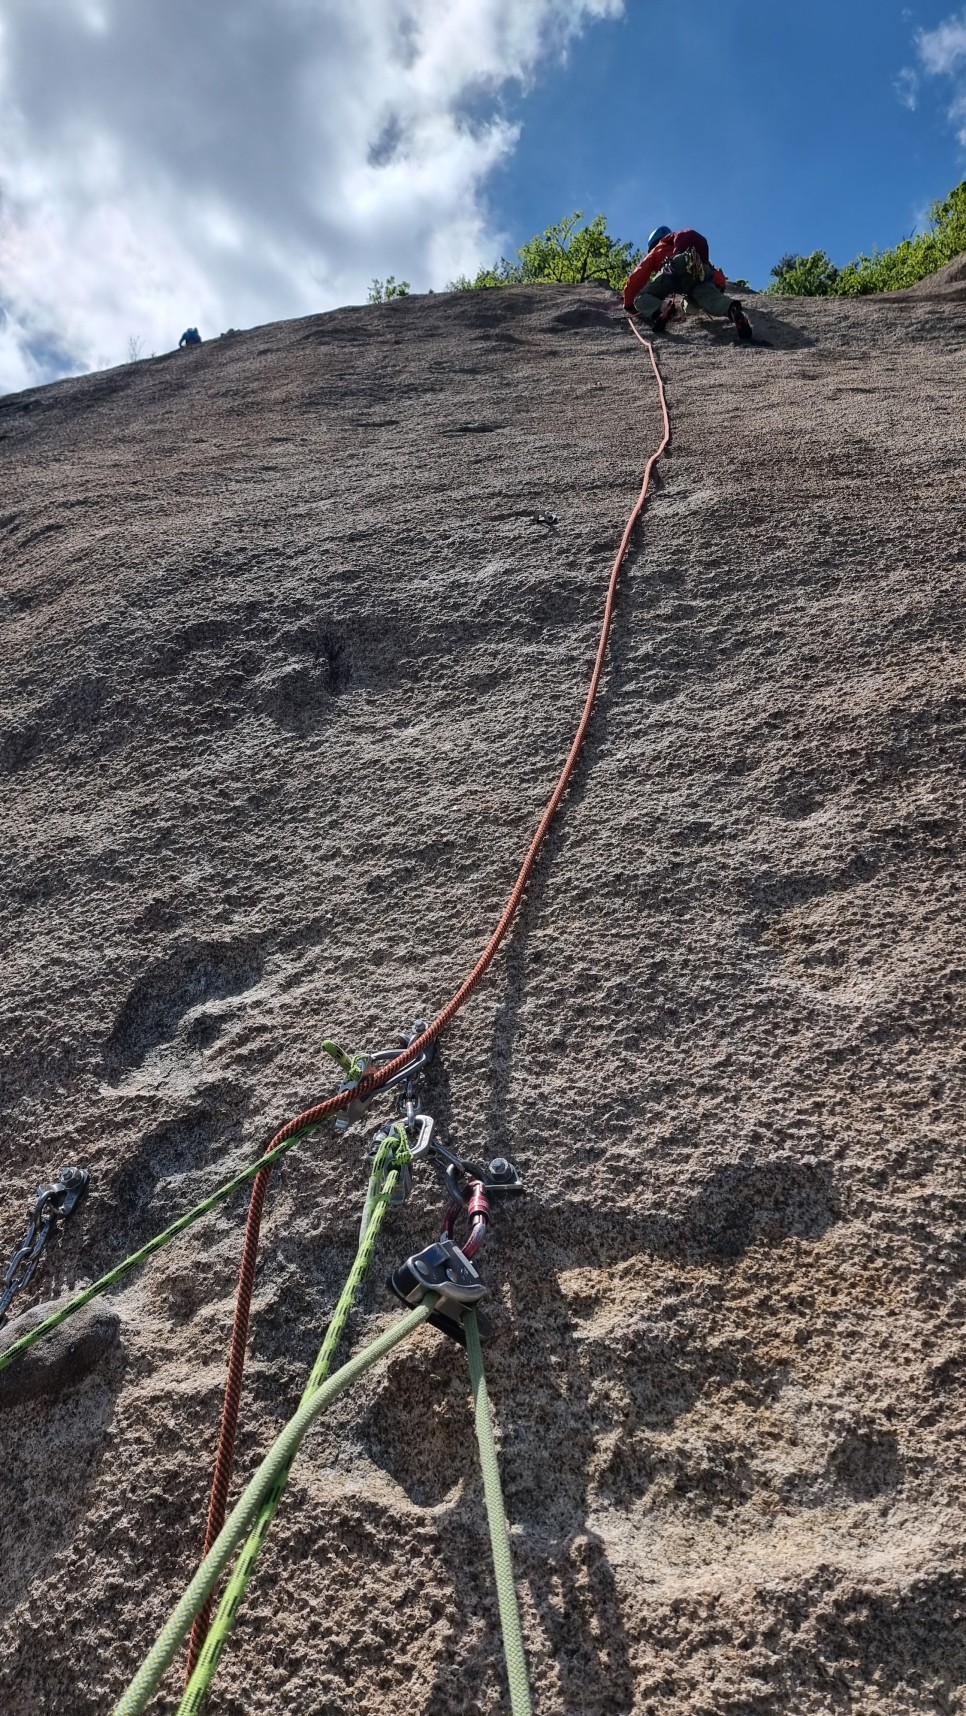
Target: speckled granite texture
x=295 y=631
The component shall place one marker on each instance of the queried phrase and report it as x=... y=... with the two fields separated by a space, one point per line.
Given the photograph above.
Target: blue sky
x=246 y=161
x=770 y=128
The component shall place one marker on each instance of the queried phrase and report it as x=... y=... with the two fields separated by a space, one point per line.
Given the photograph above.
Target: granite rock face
x=62 y=1360
x=296 y=628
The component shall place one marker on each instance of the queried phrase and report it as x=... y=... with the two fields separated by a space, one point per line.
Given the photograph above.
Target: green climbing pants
x=704 y=293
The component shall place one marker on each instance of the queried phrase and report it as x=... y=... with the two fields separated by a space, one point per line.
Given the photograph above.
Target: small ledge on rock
x=63 y=1359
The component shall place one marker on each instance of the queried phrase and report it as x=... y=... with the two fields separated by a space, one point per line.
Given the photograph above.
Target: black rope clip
x=66 y=1192
x=444 y=1269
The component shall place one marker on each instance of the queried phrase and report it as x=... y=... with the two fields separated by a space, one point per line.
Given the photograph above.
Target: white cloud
x=957 y=114
x=244 y=160
x=944 y=48
x=907 y=88
x=942 y=53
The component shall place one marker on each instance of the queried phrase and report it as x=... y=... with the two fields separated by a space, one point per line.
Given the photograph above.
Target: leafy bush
x=785 y=264
x=564 y=254
x=812 y=276
x=381 y=291
x=504 y=274
x=910 y=261
x=571 y=254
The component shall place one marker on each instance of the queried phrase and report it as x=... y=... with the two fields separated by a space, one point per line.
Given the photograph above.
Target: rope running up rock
x=312 y=1117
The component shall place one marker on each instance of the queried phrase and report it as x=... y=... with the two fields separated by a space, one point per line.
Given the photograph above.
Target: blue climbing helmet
x=656 y=236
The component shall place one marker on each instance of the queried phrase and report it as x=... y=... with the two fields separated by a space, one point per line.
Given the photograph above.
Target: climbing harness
x=443 y=1278
x=689 y=263
x=53 y=1203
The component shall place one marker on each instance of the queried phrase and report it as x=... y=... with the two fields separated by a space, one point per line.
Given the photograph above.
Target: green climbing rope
x=516 y=1662
x=156 y=1244
x=244 y=1515
x=393 y=1153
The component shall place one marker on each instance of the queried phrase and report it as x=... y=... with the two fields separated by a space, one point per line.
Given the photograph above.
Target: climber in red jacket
x=677 y=263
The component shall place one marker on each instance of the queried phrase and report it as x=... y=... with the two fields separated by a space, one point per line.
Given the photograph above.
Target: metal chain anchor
x=53 y=1203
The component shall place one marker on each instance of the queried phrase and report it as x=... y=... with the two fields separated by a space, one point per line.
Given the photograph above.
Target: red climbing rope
x=312 y=1117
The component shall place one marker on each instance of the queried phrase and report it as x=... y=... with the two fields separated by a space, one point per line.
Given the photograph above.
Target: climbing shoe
x=660 y=318
x=742 y=325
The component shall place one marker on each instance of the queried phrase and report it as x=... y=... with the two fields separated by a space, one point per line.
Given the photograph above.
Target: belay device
x=446 y=1268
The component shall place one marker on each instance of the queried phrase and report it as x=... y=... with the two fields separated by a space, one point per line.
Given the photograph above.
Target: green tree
x=570 y=253
x=908 y=262
x=912 y=259
x=812 y=276
x=504 y=274
x=564 y=254
x=381 y=291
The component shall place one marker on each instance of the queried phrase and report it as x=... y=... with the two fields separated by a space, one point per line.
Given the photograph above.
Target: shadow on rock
x=750 y=1202
x=56 y=1405
x=187 y=977
x=770 y=329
